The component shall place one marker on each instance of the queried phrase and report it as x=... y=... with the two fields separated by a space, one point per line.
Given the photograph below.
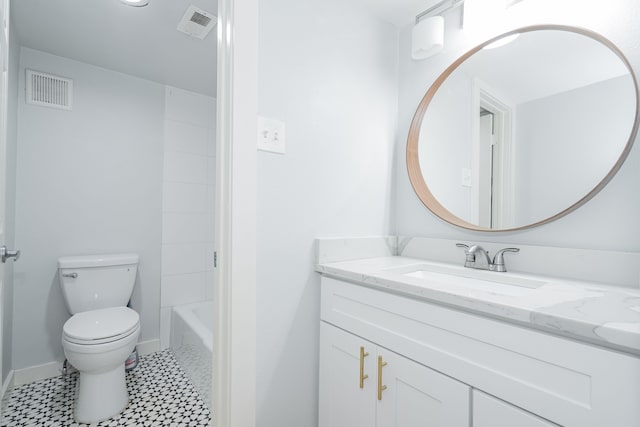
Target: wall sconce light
x=427 y=35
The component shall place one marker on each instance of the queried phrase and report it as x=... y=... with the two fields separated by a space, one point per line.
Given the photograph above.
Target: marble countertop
x=596 y=313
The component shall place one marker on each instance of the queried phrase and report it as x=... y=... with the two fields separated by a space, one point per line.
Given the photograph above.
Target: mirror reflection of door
x=493 y=161
x=485 y=168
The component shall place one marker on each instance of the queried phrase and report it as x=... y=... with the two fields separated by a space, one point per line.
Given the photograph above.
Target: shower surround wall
x=188 y=202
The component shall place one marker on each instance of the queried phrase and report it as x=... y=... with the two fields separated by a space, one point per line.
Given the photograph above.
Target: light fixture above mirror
x=427 y=35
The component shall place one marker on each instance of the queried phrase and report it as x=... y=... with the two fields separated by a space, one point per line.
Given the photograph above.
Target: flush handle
x=5 y=254
x=72 y=275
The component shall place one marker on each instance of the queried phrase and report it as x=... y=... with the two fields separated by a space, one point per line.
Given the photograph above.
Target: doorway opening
x=492 y=195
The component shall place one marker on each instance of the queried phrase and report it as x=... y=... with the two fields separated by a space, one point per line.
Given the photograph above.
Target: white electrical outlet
x=271 y=135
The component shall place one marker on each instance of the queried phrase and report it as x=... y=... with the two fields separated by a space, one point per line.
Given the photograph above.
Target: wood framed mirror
x=523 y=129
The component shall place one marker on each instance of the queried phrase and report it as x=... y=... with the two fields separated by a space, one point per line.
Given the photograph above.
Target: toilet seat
x=101 y=326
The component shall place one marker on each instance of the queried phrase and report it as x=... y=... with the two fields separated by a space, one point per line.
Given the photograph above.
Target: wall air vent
x=200 y=19
x=47 y=90
x=197 y=22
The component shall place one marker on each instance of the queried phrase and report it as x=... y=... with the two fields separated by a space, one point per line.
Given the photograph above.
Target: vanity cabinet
x=362 y=384
x=491 y=412
x=343 y=402
x=480 y=369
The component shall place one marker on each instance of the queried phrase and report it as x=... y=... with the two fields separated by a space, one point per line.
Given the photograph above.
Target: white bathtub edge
x=188 y=315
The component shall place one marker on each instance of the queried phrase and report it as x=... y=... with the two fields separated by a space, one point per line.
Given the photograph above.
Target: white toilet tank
x=91 y=282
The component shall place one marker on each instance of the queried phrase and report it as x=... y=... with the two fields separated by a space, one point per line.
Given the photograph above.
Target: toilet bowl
x=102 y=330
x=97 y=343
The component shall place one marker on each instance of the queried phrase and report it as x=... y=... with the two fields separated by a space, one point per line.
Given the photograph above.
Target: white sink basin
x=472 y=279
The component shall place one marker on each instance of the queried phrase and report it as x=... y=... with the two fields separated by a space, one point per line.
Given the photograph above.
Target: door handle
x=381 y=387
x=5 y=254
x=363 y=376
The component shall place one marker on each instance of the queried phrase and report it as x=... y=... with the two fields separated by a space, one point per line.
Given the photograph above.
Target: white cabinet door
x=342 y=402
x=491 y=412
x=416 y=396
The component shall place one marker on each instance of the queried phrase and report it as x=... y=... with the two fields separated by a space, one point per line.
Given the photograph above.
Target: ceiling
x=140 y=41
x=143 y=41
x=539 y=64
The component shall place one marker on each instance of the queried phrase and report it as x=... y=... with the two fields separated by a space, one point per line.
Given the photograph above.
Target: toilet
x=102 y=330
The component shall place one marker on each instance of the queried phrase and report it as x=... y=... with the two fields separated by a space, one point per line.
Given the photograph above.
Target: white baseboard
x=54 y=369
x=36 y=373
x=7 y=384
x=148 y=347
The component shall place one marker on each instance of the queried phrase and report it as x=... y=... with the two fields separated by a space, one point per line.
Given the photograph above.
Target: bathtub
x=192 y=344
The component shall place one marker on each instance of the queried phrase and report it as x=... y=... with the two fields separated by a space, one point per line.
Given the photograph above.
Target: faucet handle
x=466 y=251
x=470 y=256
x=498 y=259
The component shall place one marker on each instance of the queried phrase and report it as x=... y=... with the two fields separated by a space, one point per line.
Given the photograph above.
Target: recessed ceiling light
x=136 y=3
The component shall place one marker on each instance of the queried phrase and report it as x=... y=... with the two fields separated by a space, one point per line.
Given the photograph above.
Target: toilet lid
x=101 y=325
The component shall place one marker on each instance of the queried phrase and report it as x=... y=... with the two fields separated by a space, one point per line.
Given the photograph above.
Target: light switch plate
x=271 y=135
x=465 y=180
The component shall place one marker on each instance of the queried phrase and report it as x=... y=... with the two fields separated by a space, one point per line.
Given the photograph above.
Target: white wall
x=328 y=70
x=88 y=181
x=609 y=221
x=447 y=150
x=10 y=201
x=576 y=138
x=188 y=202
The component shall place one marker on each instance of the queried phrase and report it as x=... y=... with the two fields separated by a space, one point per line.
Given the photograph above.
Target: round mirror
x=523 y=129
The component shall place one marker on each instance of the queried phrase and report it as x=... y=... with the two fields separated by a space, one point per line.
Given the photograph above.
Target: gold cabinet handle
x=381 y=387
x=363 y=376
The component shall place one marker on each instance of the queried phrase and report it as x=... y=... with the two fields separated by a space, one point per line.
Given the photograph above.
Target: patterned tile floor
x=160 y=395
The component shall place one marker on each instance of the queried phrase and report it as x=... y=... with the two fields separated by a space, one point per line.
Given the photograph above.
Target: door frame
x=485 y=97
x=4 y=88
x=234 y=370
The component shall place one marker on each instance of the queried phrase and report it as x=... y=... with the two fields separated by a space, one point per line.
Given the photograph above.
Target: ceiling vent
x=47 y=90
x=197 y=22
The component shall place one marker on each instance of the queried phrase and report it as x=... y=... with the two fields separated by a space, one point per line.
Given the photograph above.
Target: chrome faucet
x=498 y=259
x=472 y=252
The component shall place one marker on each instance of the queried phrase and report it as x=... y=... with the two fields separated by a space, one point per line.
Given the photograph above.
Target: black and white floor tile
x=160 y=394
